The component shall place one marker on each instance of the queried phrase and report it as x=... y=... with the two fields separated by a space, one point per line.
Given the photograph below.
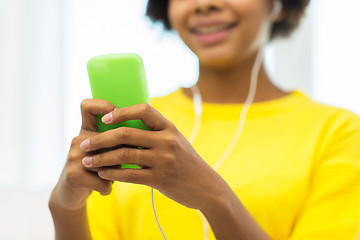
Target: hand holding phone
x=119 y=79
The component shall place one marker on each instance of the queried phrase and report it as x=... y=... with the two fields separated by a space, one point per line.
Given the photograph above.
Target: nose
x=207 y=6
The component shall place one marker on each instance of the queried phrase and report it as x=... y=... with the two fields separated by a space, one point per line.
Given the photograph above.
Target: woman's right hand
x=76 y=182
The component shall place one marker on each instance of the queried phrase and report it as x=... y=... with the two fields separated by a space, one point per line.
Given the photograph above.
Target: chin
x=218 y=61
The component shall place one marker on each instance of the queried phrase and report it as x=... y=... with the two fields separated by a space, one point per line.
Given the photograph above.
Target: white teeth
x=212 y=29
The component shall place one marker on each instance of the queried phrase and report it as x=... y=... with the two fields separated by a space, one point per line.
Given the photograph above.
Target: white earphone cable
x=154 y=210
x=249 y=100
x=197 y=101
x=197 y=104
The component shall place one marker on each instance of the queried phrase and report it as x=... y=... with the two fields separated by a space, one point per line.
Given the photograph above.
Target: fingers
x=90 y=108
x=77 y=177
x=144 y=112
x=136 y=176
x=104 y=187
x=83 y=179
x=140 y=157
x=117 y=137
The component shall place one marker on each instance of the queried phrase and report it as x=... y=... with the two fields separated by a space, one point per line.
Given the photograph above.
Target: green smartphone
x=119 y=79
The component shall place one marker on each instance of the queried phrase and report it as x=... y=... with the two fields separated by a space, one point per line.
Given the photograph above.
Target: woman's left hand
x=168 y=161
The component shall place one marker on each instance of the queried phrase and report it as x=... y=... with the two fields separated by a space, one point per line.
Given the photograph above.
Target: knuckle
x=84 y=103
x=124 y=153
x=145 y=107
x=137 y=158
x=76 y=141
x=171 y=126
x=74 y=156
x=72 y=177
x=124 y=133
x=171 y=142
x=168 y=158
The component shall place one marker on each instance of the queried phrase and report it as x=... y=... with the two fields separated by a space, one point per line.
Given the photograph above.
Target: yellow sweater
x=296 y=168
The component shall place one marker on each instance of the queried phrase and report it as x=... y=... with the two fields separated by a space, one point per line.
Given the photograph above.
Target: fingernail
x=107 y=118
x=101 y=172
x=87 y=161
x=85 y=145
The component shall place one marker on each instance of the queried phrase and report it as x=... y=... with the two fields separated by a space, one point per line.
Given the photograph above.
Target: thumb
x=90 y=108
x=144 y=112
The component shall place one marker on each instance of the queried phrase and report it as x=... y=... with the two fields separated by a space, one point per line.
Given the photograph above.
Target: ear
x=277 y=12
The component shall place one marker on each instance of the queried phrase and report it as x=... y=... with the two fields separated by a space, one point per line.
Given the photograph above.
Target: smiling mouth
x=212 y=29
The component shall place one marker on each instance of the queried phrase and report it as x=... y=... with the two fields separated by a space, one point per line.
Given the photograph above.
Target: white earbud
x=276 y=9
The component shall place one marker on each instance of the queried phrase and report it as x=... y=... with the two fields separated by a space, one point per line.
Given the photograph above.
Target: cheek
x=253 y=17
x=252 y=31
x=176 y=14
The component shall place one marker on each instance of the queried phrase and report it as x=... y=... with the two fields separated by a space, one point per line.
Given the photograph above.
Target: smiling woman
x=293 y=11
x=257 y=161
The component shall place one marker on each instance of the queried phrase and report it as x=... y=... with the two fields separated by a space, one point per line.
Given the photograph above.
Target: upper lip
x=209 y=23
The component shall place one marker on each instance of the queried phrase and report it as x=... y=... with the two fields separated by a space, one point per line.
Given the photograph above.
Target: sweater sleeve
x=332 y=210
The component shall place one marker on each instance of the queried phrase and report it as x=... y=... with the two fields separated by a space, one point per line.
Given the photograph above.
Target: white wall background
x=31 y=102
x=44 y=47
x=336 y=53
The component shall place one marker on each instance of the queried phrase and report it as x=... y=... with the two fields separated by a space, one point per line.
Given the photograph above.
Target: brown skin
x=68 y=199
x=225 y=67
x=170 y=164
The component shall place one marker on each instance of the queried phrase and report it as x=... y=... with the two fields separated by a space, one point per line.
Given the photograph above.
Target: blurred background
x=44 y=48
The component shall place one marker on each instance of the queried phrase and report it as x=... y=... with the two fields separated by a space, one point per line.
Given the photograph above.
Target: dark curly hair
x=293 y=11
